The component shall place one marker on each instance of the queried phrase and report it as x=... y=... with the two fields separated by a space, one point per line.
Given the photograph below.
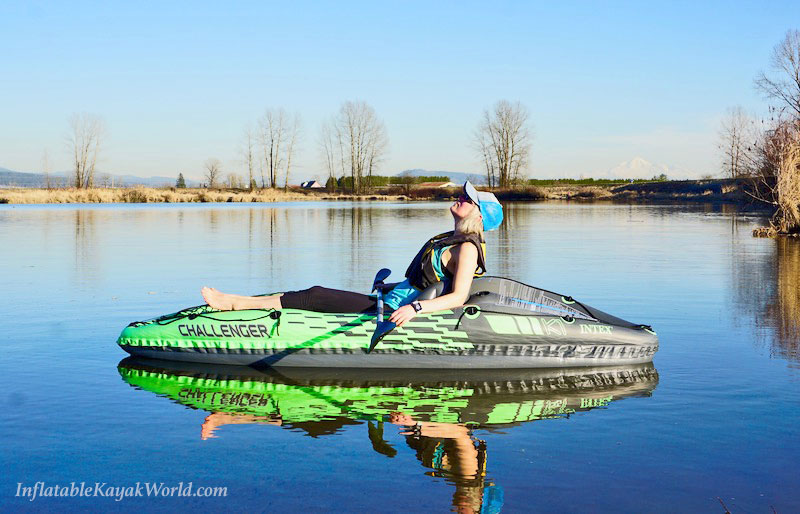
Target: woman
x=453 y=256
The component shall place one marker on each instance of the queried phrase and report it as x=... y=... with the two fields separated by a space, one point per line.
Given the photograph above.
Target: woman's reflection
x=452 y=453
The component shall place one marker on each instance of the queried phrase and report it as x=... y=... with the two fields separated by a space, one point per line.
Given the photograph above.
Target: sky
x=177 y=82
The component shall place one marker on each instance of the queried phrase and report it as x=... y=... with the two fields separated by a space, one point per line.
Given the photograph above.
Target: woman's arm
x=462 y=281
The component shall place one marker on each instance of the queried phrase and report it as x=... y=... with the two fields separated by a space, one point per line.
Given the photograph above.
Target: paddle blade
x=382 y=275
x=383 y=328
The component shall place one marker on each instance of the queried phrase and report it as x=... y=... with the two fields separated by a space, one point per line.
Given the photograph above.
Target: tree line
x=352 y=145
x=594 y=181
x=766 y=152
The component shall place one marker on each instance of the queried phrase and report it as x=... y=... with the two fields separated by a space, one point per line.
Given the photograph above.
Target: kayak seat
x=432 y=291
x=439 y=288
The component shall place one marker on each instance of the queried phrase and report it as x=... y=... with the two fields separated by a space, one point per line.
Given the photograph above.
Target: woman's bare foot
x=216 y=420
x=218 y=300
x=210 y=424
x=232 y=302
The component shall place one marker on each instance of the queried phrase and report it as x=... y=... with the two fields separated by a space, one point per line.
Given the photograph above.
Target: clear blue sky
x=176 y=82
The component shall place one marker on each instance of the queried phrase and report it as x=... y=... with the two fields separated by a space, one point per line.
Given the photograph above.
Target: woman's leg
x=323 y=299
x=317 y=299
x=232 y=302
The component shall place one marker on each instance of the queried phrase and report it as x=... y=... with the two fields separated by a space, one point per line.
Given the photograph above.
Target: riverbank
x=718 y=190
x=171 y=195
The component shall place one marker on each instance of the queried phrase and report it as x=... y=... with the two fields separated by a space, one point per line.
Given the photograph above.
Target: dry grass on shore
x=449 y=194
x=174 y=195
x=145 y=195
x=579 y=192
x=726 y=190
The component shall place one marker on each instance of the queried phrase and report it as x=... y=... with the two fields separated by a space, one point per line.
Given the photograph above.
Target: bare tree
x=272 y=132
x=354 y=142
x=363 y=140
x=84 y=138
x=737 y=142
x=213 y=171
x=249 y=155
x=777 y=180
x=279 y=135
x=377 y=146
x=783 y=82
x=293 y=128
x=485 y=146
x=340 y=146
x=235 y=181
x=330 y=151
x=46 y=169
x=503 y=141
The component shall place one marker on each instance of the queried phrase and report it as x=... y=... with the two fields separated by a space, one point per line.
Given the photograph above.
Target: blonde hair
x=472 y=223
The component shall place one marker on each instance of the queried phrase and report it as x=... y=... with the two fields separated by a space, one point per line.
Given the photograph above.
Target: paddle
x=381 y=327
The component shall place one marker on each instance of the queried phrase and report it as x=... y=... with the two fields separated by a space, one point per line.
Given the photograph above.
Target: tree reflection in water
x=768 y=288
x=783 y=309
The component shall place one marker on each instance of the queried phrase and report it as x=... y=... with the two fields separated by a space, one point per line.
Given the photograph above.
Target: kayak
x=504 y=324
x=310 y=397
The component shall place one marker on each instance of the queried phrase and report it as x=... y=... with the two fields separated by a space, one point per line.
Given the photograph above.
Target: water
x=715 y=417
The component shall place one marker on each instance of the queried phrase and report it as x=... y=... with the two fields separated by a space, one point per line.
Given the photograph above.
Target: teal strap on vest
x=437 y=261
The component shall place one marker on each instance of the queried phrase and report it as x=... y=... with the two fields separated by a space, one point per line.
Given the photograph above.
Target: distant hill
x=10 y=178
x=454 y=176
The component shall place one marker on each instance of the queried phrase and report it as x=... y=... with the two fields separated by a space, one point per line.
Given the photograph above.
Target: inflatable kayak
x=313 y=399
x=504 y=324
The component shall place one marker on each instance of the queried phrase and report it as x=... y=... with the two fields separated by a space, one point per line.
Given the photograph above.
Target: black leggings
x=322 y=299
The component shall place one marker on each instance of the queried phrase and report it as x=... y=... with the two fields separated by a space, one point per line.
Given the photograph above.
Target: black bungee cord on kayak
x=168 y=320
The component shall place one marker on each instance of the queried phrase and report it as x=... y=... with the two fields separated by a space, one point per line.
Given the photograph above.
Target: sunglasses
x=465 y=198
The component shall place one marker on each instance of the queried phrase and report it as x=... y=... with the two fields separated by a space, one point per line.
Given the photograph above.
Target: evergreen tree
x=181 y=182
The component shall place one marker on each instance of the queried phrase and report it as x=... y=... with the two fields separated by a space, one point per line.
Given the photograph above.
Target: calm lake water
x=716 y=416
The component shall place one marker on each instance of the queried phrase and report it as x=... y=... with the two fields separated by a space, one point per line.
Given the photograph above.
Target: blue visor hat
x=491 y=210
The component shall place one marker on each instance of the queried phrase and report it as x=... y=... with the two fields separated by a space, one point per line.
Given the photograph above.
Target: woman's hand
x=403 y=314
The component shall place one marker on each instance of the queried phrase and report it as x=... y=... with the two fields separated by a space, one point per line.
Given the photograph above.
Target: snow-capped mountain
x=636 y=168
x=644 y=169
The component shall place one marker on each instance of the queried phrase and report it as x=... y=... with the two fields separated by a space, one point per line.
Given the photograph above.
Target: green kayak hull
x=505 y=324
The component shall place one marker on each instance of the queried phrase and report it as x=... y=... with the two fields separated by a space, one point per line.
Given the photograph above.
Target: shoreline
x=729 y=191
x=30 y=196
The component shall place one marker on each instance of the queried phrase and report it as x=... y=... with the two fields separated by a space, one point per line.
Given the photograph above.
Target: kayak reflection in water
x=455 y=257
x=448 y=449
x=436 y=411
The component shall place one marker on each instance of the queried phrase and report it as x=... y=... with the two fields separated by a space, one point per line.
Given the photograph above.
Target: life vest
x=420 y=272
